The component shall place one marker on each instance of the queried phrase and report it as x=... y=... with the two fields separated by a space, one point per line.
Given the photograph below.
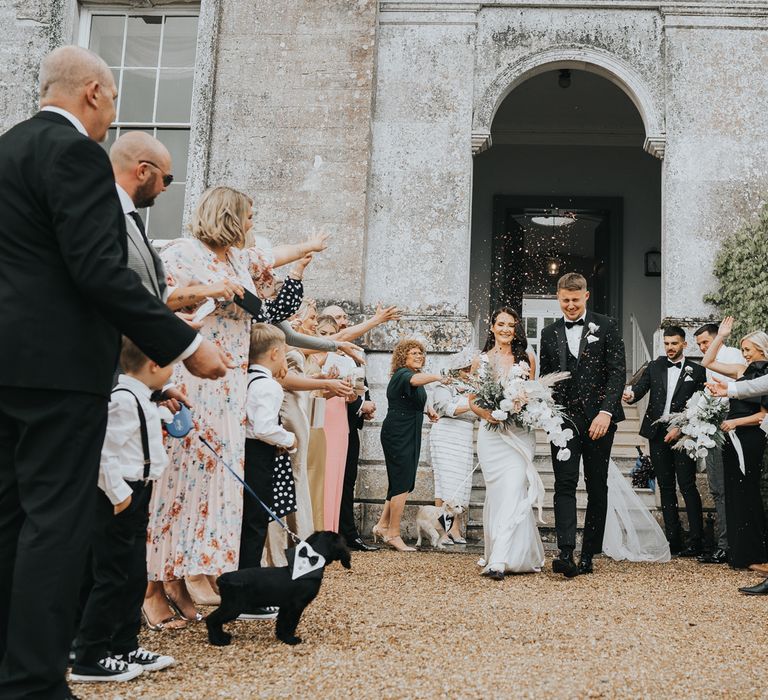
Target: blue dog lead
x=250 y=490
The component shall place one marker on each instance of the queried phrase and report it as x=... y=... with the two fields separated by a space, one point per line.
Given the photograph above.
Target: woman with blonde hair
x=401 y=435
x=743 y=451
x=196 y=509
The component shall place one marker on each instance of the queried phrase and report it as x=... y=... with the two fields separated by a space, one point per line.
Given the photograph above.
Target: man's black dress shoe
x=495 y=574
x=760 y=589
x=585 y=564
x=719 y=556
x=692 y=550
x=359 y=546
x=675 y=548
x=565 y=565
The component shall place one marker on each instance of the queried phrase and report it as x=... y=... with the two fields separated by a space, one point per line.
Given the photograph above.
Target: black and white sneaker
x=148 y=660
x=269 y=613
x=108 y=669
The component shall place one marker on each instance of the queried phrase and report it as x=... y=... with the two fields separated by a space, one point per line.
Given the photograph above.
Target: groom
x=590 y=347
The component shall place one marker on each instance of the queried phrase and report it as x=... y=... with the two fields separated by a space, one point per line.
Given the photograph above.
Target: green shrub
x=741 y=267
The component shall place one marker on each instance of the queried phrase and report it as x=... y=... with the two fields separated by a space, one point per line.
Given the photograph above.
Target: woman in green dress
x=401 y=435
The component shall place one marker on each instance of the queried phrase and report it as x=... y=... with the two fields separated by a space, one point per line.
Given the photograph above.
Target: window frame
x=86 y=14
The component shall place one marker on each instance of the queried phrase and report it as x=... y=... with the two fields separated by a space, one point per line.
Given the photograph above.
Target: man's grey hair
x=67 y=70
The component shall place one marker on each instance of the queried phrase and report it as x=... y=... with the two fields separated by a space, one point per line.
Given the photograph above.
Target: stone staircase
x=372 y=481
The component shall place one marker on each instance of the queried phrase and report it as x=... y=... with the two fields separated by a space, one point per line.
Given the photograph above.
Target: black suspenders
x=142 y=429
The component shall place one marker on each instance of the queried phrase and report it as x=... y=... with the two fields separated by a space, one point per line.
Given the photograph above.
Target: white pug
x=435 y=521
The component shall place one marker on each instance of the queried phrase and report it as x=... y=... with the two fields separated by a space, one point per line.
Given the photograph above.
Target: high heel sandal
x=379 y=533
x=198 y=615
x=404 y=548
x=163 y=624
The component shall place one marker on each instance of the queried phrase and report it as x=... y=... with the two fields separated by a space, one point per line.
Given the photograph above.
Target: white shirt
x=573 y=334
x=122 y=455
x=729 y=356
x=673 y=374
x=262 y=409
x=67 y=115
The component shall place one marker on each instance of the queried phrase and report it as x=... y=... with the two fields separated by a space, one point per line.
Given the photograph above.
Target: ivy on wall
x=741 y=267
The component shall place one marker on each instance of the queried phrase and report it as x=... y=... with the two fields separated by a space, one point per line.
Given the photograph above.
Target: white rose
x=563 y=454
x=499 y=415
x=505 y=405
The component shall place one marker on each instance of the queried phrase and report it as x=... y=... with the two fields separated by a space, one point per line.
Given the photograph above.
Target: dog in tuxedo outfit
x=248 y=590
x=433 y=520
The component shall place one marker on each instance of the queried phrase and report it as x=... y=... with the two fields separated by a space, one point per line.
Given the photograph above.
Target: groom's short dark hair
x=674 y=330
x=572 y=281
x=710 y=328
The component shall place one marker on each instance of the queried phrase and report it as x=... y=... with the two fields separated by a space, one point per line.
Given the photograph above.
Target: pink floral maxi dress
x=196 y=509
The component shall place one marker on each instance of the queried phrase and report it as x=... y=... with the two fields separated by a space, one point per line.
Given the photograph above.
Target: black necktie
x=674 y=364
x=139 y=224
x=571 y=324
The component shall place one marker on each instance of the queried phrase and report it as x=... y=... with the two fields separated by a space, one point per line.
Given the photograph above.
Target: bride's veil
x=631 y=531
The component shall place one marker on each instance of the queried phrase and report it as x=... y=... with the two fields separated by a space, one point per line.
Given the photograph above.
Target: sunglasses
x=167 y=177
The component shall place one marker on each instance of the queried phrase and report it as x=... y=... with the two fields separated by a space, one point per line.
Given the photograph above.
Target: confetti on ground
x=426 y=625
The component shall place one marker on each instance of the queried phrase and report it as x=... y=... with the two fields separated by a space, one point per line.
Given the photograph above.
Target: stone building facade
x=409 y=130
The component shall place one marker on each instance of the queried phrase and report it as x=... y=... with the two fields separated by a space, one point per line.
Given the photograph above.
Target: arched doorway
x=567 y=186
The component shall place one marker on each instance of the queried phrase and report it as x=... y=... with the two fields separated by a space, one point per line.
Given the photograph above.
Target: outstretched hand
x=384 y=314
x=316 y=243
x=726 y=326
x=717 y=388
x=209 y=361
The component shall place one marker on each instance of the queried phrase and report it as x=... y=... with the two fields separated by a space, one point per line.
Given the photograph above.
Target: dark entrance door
x=538 y=239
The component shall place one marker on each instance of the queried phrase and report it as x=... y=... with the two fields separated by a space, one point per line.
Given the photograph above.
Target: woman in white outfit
x=512 y=484
x=450 y=441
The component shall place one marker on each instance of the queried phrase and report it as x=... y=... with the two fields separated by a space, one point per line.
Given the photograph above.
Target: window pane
x=165 y=216
x=107 y=38
x=111 y=136
x=174 y=96
x=137 y=96
x=177 y=142
x=142 y=46
x=179 y=42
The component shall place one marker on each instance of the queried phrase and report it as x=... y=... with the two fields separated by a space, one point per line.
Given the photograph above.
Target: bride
x=513 y=486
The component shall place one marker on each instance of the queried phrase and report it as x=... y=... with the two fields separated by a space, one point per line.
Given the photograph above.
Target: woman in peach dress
x=196 y=508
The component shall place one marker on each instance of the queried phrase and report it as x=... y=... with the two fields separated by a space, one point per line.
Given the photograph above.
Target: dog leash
x=461 y=485
x=270 y=512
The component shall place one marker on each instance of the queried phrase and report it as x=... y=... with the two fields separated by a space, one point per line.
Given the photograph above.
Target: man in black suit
x=590 y=347
x=358 y=411
x=66 y=296
x=672 y=380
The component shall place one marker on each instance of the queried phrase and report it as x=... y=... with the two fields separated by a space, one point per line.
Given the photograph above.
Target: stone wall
x=292 y=100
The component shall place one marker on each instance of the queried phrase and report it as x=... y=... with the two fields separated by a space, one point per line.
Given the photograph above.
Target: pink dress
x=196 y=509
x=336 y=442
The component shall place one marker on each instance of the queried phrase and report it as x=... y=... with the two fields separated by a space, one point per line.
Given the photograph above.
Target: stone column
x=715 y=163
x=420 y=189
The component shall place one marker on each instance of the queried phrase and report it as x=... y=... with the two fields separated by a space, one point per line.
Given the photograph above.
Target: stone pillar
x=716 y=152
x=292 y=99
x=417 y=253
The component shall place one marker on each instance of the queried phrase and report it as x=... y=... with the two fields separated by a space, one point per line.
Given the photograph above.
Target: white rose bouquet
x=699 y=424
x=518 y=400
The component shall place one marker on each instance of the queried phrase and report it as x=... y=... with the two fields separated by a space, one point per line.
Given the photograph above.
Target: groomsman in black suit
x=358 y=411
x=66 y=296
x=590 y=347
x=672 y=380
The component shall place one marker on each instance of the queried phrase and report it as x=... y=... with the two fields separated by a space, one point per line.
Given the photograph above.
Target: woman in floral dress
x=196 y=508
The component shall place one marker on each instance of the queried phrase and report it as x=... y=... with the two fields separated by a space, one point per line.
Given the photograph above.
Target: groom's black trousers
x=596 y=454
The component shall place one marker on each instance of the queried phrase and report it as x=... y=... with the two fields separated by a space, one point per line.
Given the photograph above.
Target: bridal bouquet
x=699 y=423
x=527 y=403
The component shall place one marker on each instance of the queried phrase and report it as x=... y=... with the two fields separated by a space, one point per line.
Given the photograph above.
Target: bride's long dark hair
x=519 y=342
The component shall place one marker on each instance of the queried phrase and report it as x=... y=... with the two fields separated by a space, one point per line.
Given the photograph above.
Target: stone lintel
x=440 y=334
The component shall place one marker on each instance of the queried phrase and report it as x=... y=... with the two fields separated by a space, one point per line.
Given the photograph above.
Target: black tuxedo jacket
x=654 y=379
x=356 y=421
x=65 y=292
x=598 y=382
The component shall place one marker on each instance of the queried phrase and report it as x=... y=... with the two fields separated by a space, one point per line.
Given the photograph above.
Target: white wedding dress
x=513 y=488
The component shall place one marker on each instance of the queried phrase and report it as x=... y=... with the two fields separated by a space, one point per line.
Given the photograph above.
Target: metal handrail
x=640 y=353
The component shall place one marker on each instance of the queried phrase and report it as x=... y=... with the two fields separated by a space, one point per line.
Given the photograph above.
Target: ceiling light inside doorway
x=553 y=221
x=553 y=267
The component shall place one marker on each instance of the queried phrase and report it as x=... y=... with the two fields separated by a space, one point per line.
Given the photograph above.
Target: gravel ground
x=427 y=625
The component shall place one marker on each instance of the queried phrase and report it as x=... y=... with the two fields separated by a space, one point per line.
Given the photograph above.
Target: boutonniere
x=688 y=373
x=593 y=328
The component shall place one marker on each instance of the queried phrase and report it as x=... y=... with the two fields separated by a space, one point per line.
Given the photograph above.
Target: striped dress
x=451 y=447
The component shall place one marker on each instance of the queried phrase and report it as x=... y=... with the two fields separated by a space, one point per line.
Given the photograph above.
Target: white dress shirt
x=122 y=456
x=262 y=409
x=573 y=335
x=673 y=374
x=67 y=115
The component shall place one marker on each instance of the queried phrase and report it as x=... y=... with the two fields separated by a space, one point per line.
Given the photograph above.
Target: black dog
x=246 y=590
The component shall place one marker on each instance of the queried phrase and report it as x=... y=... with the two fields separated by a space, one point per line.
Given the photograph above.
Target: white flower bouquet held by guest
x=700 y=425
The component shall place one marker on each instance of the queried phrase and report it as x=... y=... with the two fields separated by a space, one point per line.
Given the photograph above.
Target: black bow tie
x=571 y=324
x=674 y=364
x=304 y=554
